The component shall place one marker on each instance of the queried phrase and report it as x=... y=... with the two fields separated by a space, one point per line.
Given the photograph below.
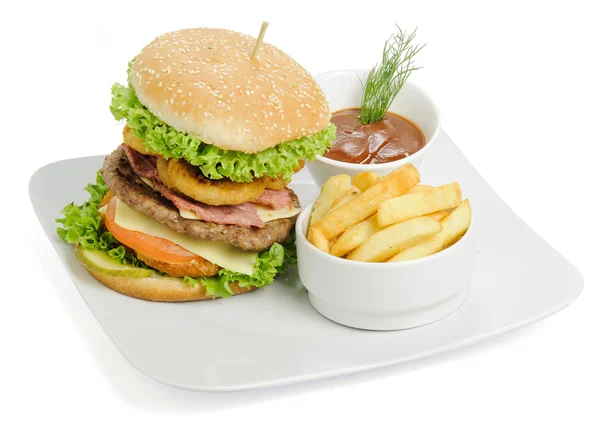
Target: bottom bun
x=159 y=288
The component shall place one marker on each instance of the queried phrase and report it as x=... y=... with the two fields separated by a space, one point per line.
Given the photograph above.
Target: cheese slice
x=266 y=214
x=148 y=182
x=187 y=214
x=220 y=253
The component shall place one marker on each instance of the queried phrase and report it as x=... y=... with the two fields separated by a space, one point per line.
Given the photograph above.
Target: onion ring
x=134 y=142
x=162 y=165
x=188 y=180
x=272 y=183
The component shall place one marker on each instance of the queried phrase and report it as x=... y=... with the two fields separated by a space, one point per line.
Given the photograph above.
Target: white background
x=517 y=83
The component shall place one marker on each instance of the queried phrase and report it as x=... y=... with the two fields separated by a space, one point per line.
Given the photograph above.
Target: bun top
x=203 y=82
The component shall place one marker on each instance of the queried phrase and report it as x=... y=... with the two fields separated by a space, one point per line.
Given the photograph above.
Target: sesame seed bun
x=203 y=82
x=159 y=288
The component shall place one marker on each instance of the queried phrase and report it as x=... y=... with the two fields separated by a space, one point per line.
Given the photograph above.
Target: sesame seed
x=275 y=88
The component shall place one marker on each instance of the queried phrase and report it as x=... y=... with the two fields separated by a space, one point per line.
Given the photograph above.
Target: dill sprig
x=387 y=78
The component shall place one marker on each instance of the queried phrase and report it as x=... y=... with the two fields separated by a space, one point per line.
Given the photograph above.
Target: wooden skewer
x=259 y=40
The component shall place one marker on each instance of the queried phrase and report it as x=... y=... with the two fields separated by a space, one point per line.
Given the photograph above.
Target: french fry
x=418 y=204
x=365 y=180
x=346 y=197
x=334 y=188
x=419 y=188
x=354 y=236
x=388 y=242
x=439 y=215
x=367 y=203
x=359 y=233
x=316 y=238
x=453 y=227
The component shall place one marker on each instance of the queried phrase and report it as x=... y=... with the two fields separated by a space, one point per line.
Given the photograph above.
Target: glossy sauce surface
x=390 y=139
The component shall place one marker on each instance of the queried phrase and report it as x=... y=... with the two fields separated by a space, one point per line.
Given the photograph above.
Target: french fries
x=366 y=204
x=355 y=236
x=388 y=242
x=419 y=188
x=439 y=215
x=418 y=204
x=365 y=180
x=316 y=238
x=387 y=219
x=346 y=197
x=453 y=227
x=334 y=188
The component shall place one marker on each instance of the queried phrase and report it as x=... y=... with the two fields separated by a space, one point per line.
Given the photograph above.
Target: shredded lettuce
x=215 y=163
x=81 y=226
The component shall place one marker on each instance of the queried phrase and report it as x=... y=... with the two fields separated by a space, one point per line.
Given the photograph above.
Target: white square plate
x=273 y=336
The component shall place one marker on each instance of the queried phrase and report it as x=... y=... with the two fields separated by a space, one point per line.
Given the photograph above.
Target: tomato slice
x=154 y=247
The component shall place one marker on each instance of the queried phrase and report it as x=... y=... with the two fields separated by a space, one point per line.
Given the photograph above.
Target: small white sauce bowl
x=385 y=296
x=343 y=89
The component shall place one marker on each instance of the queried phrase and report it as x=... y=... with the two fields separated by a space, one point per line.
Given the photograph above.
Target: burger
x=195 y=204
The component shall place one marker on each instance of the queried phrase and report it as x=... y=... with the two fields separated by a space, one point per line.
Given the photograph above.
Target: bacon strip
x=244 y=215
x=274 y=199
x=143 y=165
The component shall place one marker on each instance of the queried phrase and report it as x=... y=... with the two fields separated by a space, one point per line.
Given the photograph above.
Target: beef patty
x=130 y=189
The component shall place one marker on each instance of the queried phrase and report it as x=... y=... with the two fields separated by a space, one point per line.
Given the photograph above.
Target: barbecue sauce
x=390 y=139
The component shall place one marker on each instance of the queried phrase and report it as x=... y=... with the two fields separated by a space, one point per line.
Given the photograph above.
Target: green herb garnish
x=387 y=78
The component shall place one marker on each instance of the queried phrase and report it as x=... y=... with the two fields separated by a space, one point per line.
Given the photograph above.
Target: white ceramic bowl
x=343 y=89
x=387 y=296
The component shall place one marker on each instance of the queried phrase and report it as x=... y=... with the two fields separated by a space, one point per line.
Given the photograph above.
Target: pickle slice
x=101 y=262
